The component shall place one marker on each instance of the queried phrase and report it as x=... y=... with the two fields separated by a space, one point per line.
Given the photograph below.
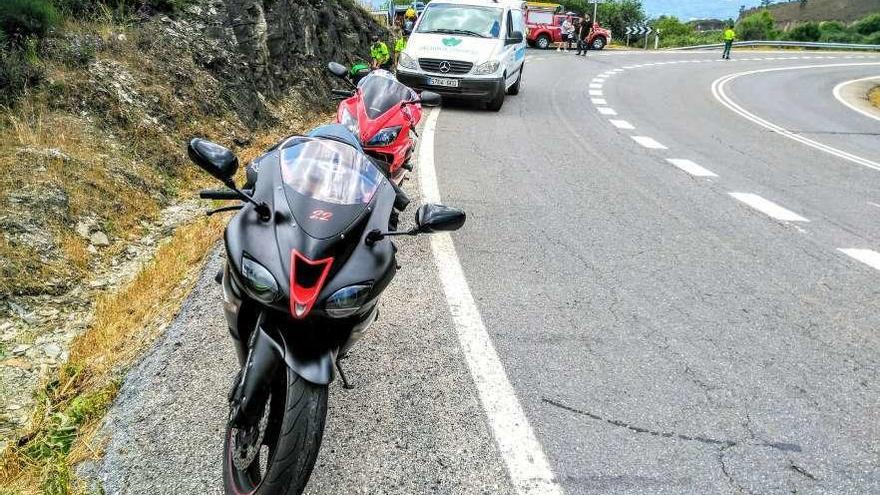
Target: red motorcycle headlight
x=307 y=277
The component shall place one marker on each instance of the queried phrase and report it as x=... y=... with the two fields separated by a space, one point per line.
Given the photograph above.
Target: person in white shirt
x=567 y=32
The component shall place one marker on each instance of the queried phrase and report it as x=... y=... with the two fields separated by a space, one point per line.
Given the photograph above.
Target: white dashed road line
x=866 y=256
x=596 y=92
x=691 y=167
x=606 y=111
x=768 y=207
x=599 y=101
x=595 y=86
x=526 y=462
x=648 y=142
x=622 y=124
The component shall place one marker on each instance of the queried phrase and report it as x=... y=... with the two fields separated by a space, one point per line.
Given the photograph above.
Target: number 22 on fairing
x=322 y=215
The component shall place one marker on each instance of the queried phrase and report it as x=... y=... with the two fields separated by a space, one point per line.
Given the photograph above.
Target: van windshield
x=464 y=20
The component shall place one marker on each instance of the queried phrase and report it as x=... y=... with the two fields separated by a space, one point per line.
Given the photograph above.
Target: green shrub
x=873 y=39
x=18 y=72
x=868 y=25
x=841 y=37
x=758 y=26
x=808 y=31
x=23 y=18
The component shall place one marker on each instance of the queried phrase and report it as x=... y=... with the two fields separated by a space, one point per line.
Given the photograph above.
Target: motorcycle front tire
x=299 y=421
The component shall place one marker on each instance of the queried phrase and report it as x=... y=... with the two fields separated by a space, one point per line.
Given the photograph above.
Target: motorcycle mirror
x=430 y=99
x=432 y=218
x=337 y=69
x=213 y=158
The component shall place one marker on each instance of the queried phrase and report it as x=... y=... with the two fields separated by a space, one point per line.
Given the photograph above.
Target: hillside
x=93 y=170
x=791 y=13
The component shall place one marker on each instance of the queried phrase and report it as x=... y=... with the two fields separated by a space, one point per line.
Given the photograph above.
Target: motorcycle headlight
x=259 y=280
x=489 y=67
x=347 y=300
x=407 y=62
x=385 y=137
x=351 y=123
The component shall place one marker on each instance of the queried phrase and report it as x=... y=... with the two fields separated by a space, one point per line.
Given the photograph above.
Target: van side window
x=519 y=23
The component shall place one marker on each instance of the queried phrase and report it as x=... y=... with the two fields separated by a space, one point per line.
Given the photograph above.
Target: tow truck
x=544 y=22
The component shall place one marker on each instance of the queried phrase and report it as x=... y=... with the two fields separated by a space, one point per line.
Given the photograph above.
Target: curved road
x=682 y=300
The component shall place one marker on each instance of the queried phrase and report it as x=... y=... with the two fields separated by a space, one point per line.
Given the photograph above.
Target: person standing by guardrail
x=729 y=36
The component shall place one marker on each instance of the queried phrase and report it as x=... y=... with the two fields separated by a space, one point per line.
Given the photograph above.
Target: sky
x=687 y=9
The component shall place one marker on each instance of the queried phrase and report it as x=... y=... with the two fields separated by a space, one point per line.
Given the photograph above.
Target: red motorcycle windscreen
x=307 y=277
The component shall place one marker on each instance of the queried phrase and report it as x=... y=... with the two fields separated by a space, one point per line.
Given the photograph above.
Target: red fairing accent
x=303 y=298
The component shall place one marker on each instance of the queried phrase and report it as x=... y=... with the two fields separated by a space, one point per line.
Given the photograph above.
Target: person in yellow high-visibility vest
x=729 y=36
x=409 y=19
x=379 y=54
x=399 y=46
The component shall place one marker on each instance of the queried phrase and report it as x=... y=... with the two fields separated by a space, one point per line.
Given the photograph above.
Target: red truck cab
x=544 y=23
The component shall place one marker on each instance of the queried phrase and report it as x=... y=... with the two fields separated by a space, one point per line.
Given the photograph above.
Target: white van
x=469 y=49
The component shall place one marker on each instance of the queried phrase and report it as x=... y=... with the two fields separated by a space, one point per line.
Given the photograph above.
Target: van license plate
x=440 y=81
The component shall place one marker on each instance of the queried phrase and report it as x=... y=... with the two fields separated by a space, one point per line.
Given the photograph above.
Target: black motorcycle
x=308 y=256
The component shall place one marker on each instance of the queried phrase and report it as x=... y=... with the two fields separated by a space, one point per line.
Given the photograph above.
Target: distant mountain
x=792 y=13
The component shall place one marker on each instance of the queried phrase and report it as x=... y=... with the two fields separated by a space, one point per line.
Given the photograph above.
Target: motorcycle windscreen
x=328 y=184
x=382 y=92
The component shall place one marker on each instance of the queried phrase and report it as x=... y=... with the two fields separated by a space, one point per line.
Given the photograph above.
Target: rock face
x=287 y=43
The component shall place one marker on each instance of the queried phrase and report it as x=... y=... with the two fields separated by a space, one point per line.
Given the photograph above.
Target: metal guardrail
x=788 y=44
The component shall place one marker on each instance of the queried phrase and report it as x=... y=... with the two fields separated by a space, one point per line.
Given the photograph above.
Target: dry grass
x=72 y=404
x=874 y=96
x=125 y=323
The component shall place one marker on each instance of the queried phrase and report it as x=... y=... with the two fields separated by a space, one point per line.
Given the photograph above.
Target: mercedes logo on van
x=445 y=66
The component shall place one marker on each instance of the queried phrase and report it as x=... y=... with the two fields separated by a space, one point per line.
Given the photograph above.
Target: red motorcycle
x=383 y=114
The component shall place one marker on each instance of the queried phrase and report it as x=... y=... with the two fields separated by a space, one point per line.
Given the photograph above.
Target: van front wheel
x=496 y=103
x=514 y=90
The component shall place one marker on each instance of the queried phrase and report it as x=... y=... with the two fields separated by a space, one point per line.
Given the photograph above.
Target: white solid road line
x=866 y=256
x=768 y=207
x=526 y=462
x=837 y=90
x=596 y=92
x=719 y=92
x=691 y=167
x=648 y=142
x=606 y=111
x=621 y=124
x=599 y=101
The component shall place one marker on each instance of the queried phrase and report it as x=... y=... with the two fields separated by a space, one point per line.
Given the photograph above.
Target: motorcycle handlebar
x=342 y=93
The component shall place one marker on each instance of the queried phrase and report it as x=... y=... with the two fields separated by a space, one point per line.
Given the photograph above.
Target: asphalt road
x=661 y=335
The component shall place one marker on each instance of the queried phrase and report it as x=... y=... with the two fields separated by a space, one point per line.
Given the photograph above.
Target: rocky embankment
x=93 y=174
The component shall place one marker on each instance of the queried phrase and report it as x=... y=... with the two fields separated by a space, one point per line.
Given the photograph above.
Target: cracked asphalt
x=661 y=336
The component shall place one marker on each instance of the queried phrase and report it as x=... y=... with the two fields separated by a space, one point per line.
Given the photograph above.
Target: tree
x=618 y=14
x=758 y=26
x=765 y=3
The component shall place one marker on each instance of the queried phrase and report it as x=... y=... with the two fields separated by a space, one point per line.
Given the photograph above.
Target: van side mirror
x=515 y=37
x=432 y=218
x=337 y=69
x=213 y=158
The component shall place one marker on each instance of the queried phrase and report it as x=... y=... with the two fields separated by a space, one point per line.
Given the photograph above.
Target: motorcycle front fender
x=269 y=349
